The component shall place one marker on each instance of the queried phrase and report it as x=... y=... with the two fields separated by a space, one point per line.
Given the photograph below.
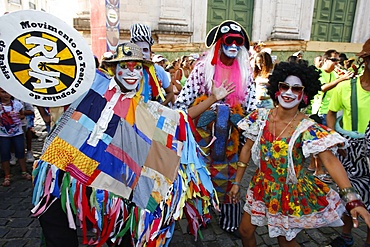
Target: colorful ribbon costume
x=140 y=161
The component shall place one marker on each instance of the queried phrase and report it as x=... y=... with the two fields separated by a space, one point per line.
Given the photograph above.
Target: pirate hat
x=225 y=27
x=127 y=52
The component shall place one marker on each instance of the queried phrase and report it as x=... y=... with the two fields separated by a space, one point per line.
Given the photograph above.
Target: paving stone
x=16 y=233
x=7 y=213
x=3 y=231
x=20 y=222
x=18 y=229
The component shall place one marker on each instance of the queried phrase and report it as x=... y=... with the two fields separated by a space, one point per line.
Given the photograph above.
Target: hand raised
x=223 y=90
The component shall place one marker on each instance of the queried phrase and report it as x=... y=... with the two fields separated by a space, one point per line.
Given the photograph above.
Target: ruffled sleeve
x=251 y=124
x=318 y=138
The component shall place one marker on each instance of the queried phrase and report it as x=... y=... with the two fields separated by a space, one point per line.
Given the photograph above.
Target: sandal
x=324 y=178
x=6 y=182
x=26 y=176
x=311 y=169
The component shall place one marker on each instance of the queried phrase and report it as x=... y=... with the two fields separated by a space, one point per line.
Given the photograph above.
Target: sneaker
x=29 y=157
x=340 y=242
x=13 y=159
x=324 y=178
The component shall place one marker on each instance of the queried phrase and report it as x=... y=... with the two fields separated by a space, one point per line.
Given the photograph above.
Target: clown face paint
x=230 y=51
x=286 y=97
x=129 y=74
x=145 y=47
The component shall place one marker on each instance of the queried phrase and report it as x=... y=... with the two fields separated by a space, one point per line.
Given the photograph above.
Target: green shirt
x=320 y=103
x=341 y=100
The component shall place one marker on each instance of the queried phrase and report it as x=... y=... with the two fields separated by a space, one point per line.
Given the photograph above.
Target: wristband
x=354 y=204
x=344 y=191
x=236 y=183
x=241 y=164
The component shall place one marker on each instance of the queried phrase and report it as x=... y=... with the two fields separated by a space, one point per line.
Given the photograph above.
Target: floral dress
x=281 y=194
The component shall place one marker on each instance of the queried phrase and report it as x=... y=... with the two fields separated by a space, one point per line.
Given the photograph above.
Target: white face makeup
x=230 y=51
x=145 y=47
x=291 y=92
x=129 y=74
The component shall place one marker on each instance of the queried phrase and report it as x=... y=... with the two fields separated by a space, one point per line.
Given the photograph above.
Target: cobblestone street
x=18 y=229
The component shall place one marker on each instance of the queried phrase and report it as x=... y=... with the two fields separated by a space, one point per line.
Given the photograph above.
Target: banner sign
x=43 y=61
x=112 y=23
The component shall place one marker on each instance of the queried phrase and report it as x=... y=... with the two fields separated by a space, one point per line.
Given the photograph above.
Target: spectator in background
x=176 y=86
x=356 y=129
x=11 y=134
x=28 y=125
x=318 y=61
x=160 y=60
x=262 y=70
x=298 y=54
x=329 y=80
x=183 y=72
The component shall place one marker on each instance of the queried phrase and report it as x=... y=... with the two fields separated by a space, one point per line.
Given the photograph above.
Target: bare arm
x=177 y=85
x=169 y=95
x=21 y=114
x=333 y=84
x=244 y=157
x=331 y=119
x=339 y=175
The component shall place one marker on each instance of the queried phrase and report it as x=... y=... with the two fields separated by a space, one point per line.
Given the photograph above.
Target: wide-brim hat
x=127 y=52
x=365 y=50
x=225 y=27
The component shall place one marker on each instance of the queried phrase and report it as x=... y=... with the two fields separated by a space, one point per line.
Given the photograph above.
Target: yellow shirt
x=341 y=100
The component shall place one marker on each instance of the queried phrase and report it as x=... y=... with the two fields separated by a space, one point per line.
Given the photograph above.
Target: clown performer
x=282 y=194
x=155 y=77
x=125 y=168
x=217 y=94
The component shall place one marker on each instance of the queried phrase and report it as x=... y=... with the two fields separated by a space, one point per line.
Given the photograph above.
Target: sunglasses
x=334 y=59
x=283 y=86
x=229 y=39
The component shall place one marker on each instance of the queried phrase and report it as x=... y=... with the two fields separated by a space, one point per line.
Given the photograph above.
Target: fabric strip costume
x=139 y=159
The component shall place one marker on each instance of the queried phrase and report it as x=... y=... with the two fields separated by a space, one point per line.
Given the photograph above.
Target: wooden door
x=237 y=10
x=333 y=20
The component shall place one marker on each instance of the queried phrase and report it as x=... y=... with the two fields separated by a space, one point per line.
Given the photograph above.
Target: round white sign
x=43 y=61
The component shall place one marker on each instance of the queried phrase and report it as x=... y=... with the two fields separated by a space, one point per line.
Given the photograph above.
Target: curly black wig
x=309 y=75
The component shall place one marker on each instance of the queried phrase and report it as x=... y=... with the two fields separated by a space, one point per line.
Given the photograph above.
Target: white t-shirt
x=10 y=123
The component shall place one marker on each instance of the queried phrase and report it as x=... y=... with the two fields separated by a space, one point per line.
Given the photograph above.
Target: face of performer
x=231 y=44
x=129 y=74
x=230 y=51
x=290 y=92
x=145 y=47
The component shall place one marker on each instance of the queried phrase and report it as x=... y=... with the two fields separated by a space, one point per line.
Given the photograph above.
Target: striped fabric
x=141 y=33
